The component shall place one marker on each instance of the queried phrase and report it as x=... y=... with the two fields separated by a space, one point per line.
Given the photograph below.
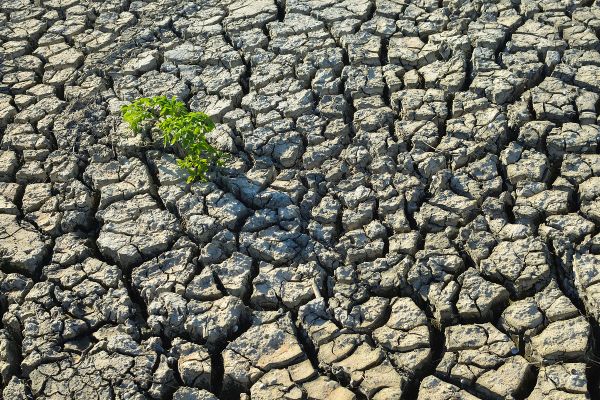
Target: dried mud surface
x=412 y=208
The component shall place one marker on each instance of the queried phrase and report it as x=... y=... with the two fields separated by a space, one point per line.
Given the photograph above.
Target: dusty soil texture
x=411 y=209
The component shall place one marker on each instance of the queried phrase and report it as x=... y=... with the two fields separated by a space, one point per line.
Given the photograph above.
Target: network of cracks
x=411 y=208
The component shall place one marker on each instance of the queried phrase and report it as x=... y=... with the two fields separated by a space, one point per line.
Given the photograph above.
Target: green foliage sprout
x=178 y=126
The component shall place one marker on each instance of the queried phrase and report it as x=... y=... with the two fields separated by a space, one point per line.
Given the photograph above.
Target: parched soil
x=411 y=208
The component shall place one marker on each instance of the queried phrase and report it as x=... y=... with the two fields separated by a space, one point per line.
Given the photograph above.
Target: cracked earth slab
x=411 y=208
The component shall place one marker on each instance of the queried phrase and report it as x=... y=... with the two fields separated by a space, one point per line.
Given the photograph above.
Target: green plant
x=178 y=126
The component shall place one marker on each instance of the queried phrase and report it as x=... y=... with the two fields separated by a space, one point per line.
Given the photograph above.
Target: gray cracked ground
x=412 y=208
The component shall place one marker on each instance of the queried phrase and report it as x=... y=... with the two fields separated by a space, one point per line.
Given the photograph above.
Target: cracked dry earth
x=412 y=208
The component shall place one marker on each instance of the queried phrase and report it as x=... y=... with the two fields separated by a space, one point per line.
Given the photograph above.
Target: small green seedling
x=178 y=126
